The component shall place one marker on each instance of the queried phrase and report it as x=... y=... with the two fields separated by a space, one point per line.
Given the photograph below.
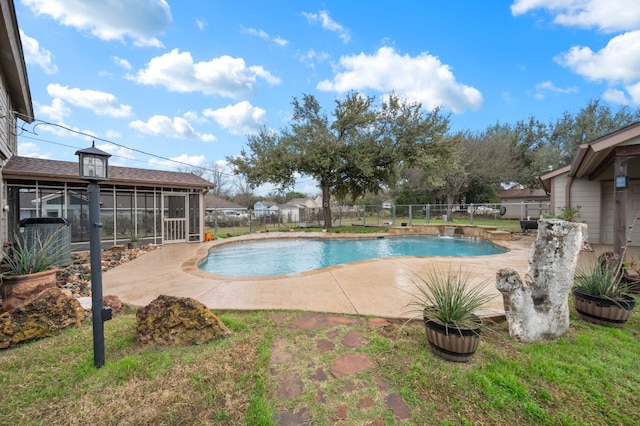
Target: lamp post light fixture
x=94 y=168
x=622 y=182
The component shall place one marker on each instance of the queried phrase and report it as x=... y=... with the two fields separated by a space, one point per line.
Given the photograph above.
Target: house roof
x=594 y=157
x=545 y=179
x=12 y=62
x=598 y=154
x=213 y=202
x=26 y=168
x=523 y=193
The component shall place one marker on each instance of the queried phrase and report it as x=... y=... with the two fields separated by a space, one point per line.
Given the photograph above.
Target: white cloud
x=280 y=41
x=615 y=96
x=223 y=76
x=265 y=36
x=57 y=111
x=311 y=58
x=201 y=24
x=140 y=20
x=122 y=62
x=634 y=93
x=101 y=103
x=194 y=117
x=113 y=134
x=240 y=119
x=34 y=54
x=606 y=15
x=547 y=86
x=66 y=130
x=328 y=24
x=257 y=33
x=180 y=162
x=119 y=153
x=618 y=61
x=32 y=150
x=177 y=127
x=422 y=78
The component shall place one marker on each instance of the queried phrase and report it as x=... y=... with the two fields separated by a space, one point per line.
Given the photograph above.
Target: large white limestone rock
x=537 y=308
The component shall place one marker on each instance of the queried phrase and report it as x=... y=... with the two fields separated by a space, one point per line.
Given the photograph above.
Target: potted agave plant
x=29 y=269
x=601 y=292
x=601 y=295
x=447 y=301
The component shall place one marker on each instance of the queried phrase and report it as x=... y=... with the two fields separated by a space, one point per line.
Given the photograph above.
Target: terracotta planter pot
x=453 y=343
x=602 y=310
x=19 y=289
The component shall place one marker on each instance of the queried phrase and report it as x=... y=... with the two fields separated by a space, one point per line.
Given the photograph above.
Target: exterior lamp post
x=94 y=168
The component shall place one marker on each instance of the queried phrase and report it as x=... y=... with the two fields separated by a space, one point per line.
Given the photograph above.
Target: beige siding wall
x=587 y=195
x=7 y=127
x=558 y=188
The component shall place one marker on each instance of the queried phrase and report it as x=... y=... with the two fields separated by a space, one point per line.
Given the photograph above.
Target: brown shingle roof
x=522 y=193
x=66 y=171
x=213 y=202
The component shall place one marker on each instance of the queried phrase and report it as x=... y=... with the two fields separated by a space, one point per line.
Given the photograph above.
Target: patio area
x=378 y=287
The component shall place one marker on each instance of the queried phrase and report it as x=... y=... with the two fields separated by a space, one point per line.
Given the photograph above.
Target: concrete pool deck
x=379 y=287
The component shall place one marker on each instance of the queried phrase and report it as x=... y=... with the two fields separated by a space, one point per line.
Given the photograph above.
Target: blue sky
x=187 y=80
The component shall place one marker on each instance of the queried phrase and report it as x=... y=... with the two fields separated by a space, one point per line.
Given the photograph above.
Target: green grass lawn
x=588 y=376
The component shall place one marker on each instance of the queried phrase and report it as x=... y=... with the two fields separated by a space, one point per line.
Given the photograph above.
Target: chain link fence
x=505 y=216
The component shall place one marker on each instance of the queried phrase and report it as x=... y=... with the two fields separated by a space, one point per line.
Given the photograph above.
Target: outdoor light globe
x=94 y=167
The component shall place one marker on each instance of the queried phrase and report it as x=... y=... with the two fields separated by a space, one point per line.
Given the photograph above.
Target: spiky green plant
x=602 y=280
x=448 y=296
x=29 y=257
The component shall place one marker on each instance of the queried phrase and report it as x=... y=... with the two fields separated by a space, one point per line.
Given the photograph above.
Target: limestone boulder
x=537 y=307
x=44 y=316
x=170 y=320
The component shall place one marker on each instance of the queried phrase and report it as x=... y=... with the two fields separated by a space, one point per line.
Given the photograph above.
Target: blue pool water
x=290 y=256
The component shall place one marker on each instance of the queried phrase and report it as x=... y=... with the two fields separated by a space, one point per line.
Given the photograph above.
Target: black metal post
x=95 y=249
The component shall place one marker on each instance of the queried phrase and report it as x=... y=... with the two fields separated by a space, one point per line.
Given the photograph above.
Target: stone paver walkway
x=325 y=359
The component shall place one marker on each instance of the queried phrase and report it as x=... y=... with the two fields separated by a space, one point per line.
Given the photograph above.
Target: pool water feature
x=290 y=255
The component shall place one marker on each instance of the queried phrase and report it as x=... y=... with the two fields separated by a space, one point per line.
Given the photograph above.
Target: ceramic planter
x=453 y=343
x=602 y=310
x=19 y=289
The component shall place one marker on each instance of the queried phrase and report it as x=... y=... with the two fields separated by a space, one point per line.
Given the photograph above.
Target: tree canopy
x=360 y=150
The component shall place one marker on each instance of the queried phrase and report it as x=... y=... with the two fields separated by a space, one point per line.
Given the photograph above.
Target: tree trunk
x=326 y=205
x=449 y=209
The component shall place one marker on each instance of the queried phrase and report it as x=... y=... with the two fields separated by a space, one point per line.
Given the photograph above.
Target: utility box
x=36 y=230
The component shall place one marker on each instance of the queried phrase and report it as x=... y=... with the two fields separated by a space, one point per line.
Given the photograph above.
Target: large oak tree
x=361 y=150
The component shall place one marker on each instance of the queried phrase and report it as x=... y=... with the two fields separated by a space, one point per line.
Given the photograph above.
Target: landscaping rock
x=44 y=316
x=170 y=320
x=113 y=302
x=538 y=309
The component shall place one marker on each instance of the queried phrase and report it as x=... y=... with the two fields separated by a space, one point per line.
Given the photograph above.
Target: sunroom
x=152 y=206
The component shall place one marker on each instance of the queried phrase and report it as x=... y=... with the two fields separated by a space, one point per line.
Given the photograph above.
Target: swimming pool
x=291 y=256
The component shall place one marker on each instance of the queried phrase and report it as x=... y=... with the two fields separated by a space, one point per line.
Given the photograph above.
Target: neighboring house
x=265 y=208
x=289 y=213
x=157 y=206
x=220 y=208
x=309 y=203
x=213 y=203
x=589 y=182
x=523 y=203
